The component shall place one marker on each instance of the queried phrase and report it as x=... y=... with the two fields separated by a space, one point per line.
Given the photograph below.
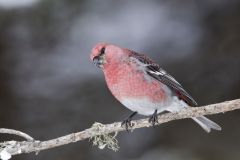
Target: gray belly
x=145 y=107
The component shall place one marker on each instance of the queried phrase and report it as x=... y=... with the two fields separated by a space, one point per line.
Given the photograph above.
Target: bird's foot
x=127 y=123
x=153 y=119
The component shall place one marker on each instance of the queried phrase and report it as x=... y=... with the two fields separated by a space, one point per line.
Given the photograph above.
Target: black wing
x=153 y=70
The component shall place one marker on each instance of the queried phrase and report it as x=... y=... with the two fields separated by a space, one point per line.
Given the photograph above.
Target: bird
x=142 y=86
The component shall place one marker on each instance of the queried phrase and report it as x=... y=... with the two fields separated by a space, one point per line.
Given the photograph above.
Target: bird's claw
x=127 y=124
x=153 y=119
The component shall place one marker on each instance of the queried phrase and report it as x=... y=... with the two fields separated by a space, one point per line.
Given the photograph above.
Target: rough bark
x=19 y=147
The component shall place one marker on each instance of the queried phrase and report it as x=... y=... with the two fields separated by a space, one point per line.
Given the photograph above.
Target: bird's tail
x=206 y=123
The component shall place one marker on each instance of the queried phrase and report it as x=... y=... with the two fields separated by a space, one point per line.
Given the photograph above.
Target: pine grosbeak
x=142 y=86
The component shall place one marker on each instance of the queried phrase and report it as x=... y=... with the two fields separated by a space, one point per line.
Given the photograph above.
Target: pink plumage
x=141 y=85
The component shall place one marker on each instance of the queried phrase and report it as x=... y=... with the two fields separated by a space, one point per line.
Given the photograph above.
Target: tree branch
x=15 y=132
x=16 y=147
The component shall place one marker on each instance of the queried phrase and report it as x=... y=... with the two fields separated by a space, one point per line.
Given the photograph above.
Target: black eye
x=102 y=51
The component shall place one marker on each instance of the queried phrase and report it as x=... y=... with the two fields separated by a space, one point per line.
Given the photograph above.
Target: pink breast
x=127 y=82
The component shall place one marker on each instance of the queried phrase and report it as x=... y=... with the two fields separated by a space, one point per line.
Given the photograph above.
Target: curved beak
x=98 y=61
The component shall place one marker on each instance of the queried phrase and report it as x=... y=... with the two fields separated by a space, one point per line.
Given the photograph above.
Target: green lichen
x=104 y=140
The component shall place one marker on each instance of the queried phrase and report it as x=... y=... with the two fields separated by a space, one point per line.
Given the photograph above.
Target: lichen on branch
x=100 y=134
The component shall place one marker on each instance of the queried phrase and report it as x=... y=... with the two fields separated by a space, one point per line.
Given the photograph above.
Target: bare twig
x=15 y=132
x=15 y=147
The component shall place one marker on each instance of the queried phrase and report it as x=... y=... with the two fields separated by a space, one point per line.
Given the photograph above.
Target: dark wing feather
x=161 y=75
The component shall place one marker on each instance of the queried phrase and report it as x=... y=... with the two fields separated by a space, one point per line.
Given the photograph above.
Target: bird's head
x=104 y=54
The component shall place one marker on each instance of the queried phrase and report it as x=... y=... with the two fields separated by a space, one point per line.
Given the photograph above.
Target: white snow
x=4 y=155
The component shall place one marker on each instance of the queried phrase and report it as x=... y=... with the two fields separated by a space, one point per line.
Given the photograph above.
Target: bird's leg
x=127 y=122
x=154 y=118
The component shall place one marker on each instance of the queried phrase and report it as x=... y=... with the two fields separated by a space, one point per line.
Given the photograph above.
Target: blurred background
x=49 y=87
